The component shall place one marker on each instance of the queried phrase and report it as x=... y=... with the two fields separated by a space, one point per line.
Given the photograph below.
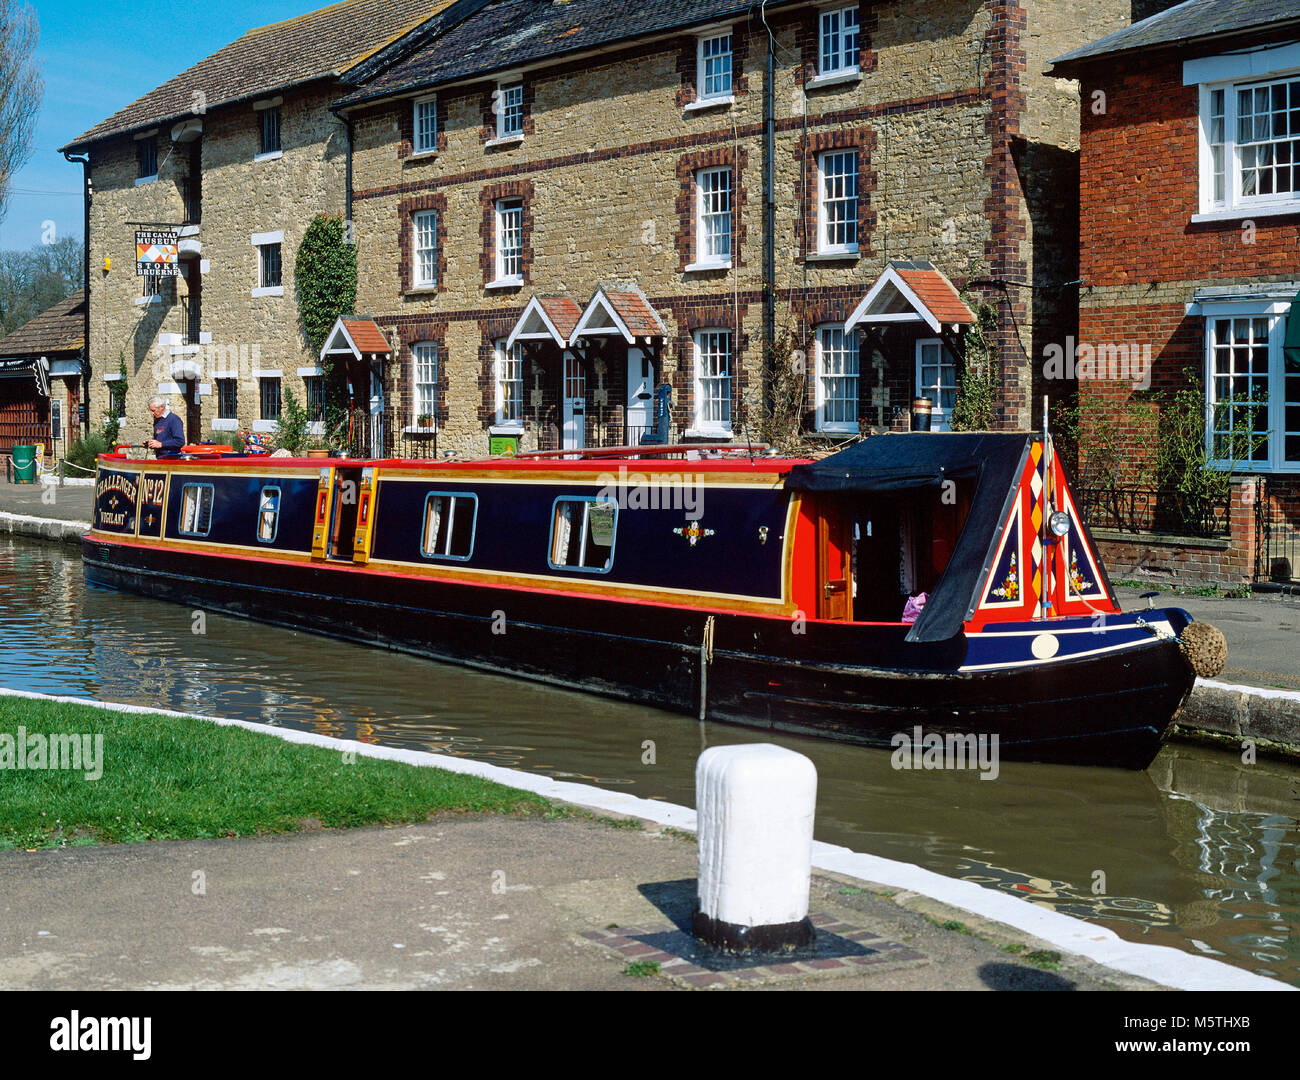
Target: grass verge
x=165 y=778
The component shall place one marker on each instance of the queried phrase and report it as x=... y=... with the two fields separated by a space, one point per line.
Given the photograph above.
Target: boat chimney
x=921 y=408
x=755 y=809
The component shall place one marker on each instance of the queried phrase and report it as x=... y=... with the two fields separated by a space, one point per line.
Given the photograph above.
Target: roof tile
x=61 y=328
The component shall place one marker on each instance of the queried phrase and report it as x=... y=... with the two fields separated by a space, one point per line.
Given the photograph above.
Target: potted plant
x=425 y=422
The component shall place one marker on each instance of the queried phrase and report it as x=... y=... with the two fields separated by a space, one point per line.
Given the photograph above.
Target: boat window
x=449 y=522
x=582 y=534
x=196 y=509
x=268 y=515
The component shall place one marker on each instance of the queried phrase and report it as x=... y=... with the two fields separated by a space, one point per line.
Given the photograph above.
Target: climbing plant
x=325 y=275
x=975 y=408
x=112 y=432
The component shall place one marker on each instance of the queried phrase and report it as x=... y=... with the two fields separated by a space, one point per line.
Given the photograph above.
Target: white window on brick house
x=838 y=41
x=510 y=241
x=713 y=73
x=510 y=110
x=426 y=125
x=424 y=358
x=837 y=380
x=1249 y=131
x=713 y=382
x=936 y=378
x=1252 y=391
x=837 y=202
x=508 y=375
x=713 y=217
x=424 y=263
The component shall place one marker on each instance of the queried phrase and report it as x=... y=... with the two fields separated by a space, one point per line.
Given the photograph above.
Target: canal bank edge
x=39 y=528
x=1162 y=965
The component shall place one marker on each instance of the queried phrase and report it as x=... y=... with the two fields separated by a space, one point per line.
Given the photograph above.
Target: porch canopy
x=912 y=291
x=546 y=318
x=619 y=310
x=917 y=462
x=358 y=338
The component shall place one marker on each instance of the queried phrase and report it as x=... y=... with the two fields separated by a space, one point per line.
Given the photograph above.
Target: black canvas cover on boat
x=896 y=465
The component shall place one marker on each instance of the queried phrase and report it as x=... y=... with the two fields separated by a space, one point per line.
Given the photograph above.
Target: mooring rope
x=706 y=658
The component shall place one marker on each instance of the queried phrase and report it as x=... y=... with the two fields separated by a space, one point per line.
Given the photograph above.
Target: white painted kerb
x=755 y=805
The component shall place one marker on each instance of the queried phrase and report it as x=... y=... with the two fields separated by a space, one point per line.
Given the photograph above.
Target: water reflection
x=1200 y=852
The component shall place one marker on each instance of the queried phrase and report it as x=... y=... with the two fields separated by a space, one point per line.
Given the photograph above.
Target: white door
x=376 y=415
x=574 y=433
x=640 y=395
x=936 y=378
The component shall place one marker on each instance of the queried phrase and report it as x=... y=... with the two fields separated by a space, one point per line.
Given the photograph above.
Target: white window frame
x=419 y=145
x=500 y=381
x=1275 y=313
x=849 y=347
x=718 y=96
x=844 y=61
x=259 y=241
x=508 y=88
x=425 y=355
x=824 y=247
x=1228 y=75
x=704 y=259
x=939 y=416
x=706 y=425
x=503 y=209
x=418 y=279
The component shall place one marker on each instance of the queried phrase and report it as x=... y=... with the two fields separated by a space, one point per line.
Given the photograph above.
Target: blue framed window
x=450 y=522
x=582 y=534
x=196 y=510
x=268 y=515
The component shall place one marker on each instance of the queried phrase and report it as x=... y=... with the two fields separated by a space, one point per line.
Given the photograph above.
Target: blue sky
x=97 y=57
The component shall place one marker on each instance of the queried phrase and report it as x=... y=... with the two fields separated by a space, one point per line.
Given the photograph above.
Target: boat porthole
x=1044 y=646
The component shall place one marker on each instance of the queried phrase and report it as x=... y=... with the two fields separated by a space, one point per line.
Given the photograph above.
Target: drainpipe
x=347 y=183
x=769 y=222
x=83 y=418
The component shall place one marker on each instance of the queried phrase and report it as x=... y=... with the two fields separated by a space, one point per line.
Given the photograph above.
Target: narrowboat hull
x=855 y=682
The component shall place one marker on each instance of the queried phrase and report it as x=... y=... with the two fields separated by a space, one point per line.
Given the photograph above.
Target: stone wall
x=240 y=197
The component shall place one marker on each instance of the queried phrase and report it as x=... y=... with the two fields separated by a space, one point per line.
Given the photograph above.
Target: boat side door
x=834 y=562
x=343 y=515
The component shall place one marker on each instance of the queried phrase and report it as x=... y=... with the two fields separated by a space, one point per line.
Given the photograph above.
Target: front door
x=834 y=564
x=640 y=395
x=574 y=431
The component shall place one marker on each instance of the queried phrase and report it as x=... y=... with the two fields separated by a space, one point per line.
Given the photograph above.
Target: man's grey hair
x=155 y=401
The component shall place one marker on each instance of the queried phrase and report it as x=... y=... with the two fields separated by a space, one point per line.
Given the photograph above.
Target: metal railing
x=1277 y=536
x=191 y=319
x=1143 y=509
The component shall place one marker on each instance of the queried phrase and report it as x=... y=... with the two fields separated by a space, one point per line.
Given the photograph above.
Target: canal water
x=1201 y=852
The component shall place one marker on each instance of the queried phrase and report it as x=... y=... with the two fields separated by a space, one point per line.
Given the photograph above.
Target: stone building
x=238 y=154
x=561 y=206
x=1190 y=240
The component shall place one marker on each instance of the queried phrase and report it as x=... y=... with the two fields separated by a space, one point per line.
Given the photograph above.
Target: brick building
x=560 y=206
x=239 y=153
x=1190 y=242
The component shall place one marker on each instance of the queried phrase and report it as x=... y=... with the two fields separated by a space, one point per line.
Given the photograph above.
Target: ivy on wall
x=325 y=275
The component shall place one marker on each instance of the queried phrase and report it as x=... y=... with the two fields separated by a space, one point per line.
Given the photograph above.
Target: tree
x=21 y=90
x=33 y=281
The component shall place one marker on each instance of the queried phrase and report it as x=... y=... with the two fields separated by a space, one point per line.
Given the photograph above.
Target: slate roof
x=59 y=329
x=320 y=44
x=513 y=33
x=1189 y=21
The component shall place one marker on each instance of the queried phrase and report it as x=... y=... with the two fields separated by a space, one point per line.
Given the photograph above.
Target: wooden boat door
x=343 y=524
x=834 y=562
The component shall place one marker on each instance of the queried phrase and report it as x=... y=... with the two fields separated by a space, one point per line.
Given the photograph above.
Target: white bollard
x=754 y=806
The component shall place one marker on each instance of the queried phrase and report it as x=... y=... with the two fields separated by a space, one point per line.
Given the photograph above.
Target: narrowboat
x=944 y=581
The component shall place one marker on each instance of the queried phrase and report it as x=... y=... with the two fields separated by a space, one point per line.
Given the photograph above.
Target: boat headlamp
x=1059 y=523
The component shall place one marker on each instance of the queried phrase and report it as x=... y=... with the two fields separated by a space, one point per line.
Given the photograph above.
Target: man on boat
x=168 y=431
